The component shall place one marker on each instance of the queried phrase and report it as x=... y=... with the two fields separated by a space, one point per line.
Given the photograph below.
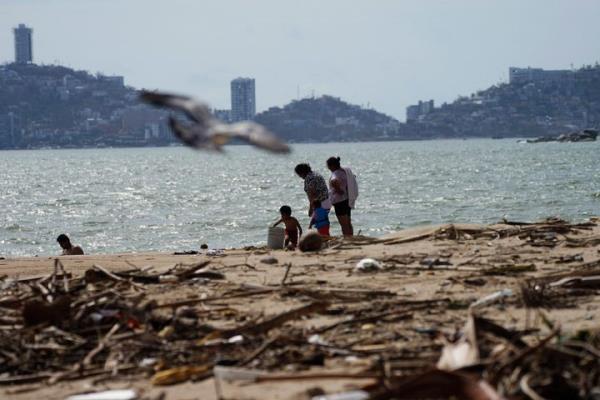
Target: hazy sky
x=385 y=53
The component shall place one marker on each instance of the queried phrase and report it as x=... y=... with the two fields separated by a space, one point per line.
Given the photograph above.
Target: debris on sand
x=125 y=394
x=312 y=241
x=368 y=265
x=392 y=334
x=269 y=260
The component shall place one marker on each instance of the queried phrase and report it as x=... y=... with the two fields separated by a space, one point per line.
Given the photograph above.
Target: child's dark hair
x=285 y=210
x=316 y=203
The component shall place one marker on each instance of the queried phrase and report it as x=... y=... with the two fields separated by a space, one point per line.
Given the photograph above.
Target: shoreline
x=177 y=144
x=262 y=244
x=449 y=267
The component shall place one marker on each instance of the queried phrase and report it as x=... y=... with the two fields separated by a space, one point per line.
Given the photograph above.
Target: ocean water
x=174 y=199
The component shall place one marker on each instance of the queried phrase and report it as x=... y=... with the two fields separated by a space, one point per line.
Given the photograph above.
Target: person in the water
x=68 y=249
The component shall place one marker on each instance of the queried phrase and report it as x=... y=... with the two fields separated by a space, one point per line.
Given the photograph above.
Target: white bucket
x=275 y=237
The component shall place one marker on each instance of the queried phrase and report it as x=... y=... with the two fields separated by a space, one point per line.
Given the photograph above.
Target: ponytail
x=333 y=162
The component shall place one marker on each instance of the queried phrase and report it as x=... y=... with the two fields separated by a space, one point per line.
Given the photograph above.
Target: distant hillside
x=57 y=95
x=55 y=106
x=524 y=109
x=519 y=109
x=328 y=118
x=48 y=105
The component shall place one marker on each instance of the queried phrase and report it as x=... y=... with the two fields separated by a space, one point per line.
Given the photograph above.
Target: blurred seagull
x=207 y=132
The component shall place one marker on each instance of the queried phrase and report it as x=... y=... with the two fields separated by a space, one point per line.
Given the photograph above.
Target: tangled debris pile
x=114 y=323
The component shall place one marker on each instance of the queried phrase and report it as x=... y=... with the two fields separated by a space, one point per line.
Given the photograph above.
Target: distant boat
x=497 y=137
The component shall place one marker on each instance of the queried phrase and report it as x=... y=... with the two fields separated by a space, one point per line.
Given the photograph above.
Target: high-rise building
x=415 y=111
x=243 y=99
x=23 y=44
x=522 y=75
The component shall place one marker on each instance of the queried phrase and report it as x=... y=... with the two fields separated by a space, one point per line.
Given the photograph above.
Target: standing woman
x=314 y=186
x=338 y=194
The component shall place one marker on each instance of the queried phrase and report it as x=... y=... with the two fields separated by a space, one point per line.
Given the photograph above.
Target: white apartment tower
x=23 y=44
x=243 y=99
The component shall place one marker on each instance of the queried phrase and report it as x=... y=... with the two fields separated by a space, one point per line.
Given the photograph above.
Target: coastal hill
x=326 y=119
x=550 y=105
x=56 y=106
x=48 y=105
x=525 y=108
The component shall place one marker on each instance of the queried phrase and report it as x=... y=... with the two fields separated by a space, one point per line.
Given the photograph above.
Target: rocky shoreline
x=586 y=135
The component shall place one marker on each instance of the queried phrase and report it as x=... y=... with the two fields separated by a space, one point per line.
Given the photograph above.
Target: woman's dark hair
x=316 y=203
x=302 y=169
x=285 y=210
x=333 y=162
x=62 y=238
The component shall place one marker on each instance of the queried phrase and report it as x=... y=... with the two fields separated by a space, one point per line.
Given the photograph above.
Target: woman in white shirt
x=338 y=195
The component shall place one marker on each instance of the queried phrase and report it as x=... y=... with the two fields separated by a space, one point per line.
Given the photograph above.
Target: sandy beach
x=346 y=321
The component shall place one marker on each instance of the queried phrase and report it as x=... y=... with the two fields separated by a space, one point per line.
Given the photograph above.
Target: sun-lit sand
x=451 y=262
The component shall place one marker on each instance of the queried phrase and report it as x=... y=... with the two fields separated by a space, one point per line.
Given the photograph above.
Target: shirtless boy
x=293 y=230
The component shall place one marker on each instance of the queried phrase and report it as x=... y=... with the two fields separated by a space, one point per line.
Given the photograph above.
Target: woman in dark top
x=314 y=186
x=338 y=194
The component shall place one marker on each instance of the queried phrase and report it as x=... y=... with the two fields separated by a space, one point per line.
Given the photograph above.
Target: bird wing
x=195 y=110
x=193 y=136
x=253 y=133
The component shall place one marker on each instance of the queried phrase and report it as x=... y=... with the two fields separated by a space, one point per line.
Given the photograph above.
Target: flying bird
x=207 y=132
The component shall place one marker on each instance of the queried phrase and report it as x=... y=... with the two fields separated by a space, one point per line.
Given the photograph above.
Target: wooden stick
x=322 y=375
x=403 y=313
x=259 y=351
x=196 y=301
x=108 y=273
x=254 y=328
x=87 y=360
x=287 y=271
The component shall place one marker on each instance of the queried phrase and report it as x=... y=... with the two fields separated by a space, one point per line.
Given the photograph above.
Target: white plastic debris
x=236 y=374
x=317 y=339
x=351 y=395
x=462 y=353
x=167 y=279
x=368 y=265
x=492 y=298
x=148 y=362
x=235 y=339
x=100 y=315
x=8 y=283
x=96 y=317
x=124 y=394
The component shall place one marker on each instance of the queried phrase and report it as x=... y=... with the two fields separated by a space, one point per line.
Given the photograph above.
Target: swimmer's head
x=63 y=241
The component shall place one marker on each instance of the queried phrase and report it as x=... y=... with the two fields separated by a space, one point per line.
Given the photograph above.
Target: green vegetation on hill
x=328 y=118
x=519 y=109
x=43 y=105
x=58 y=106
